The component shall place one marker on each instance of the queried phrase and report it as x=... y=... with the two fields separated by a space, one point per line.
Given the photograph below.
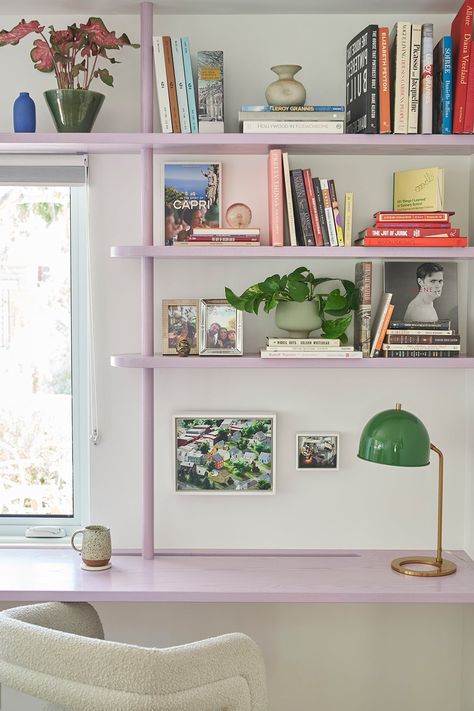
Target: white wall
x=332 y=657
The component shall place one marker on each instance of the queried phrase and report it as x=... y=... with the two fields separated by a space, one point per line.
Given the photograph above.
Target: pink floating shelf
x=135 y=360
x=236 y=143
x=158 y=252
x=38 y=575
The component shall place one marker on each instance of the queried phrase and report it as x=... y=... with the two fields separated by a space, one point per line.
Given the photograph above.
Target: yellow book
x=418 y=190
x=348 y=202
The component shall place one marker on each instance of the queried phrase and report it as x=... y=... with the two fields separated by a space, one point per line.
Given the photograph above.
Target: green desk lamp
x=398 y=438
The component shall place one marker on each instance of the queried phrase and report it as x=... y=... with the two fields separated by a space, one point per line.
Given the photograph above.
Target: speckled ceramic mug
x=96 y=548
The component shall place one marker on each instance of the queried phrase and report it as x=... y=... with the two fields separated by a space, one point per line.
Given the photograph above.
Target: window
x=43 y=351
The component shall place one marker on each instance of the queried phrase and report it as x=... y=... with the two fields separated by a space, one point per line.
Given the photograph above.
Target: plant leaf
x=298 y=291
x=98 y=33
x=335 y=328
x=335 y=301
x=42 y=56
x=22 y=29
x=105 y=76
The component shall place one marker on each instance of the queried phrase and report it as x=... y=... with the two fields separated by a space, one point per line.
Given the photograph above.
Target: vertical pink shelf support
x=146 y=77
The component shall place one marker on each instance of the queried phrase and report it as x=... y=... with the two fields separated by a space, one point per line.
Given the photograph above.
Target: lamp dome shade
x=396 y=438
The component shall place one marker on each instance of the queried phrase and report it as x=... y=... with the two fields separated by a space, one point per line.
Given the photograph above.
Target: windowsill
x=23 y=542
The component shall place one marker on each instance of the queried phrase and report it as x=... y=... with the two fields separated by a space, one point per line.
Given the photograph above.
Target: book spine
x=275 y=197
x=162 y=85
x=421 y=347
x=211 y=91
x=313 y=208
x=412 y=216
x=336 y=212
x=314 y=354
x=421 y=354
x=219 y=238
x=385 y=125
x=188 y=77
x=414 y=87
x=363 y=314
x=461 y=31
x=229 y=231
x=348 y=208
x=415 y=242
x=321 y=211
x=418 y=340
x=410 y=232
x=333 y=241
x=362 y=82
x=426 y=225
x=447 y=105
x=379 y=321
x=469 y=116
x=289 y=201
x=303 y=342
x=304 y=229
x=426 y=81
x=308 y=349
x=324 y=127
x=443 y=325
x=173 y=96
x=293 y=109
x=400 y=71
x=418 y=332
x=180 y=85
x=383 y=331
x=289 y=116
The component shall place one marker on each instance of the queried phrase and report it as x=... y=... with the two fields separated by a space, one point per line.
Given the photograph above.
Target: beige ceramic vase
x=286 y=91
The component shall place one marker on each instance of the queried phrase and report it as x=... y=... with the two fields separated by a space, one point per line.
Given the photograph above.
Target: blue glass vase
x=24 y=114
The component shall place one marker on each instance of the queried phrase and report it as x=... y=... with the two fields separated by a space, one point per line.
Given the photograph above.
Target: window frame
x=15 y=526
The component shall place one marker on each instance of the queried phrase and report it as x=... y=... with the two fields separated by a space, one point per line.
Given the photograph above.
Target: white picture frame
x=319 y=451
x=245 y=466
x=220 y=315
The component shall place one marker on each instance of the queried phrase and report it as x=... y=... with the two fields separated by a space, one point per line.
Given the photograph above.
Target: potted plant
x=300 y=308
x=74 y=55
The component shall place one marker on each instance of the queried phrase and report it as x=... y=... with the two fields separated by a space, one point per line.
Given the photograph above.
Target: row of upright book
x=398 y=81
x=179 y=110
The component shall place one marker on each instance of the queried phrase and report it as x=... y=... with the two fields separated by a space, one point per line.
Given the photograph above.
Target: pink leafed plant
x=73 y=54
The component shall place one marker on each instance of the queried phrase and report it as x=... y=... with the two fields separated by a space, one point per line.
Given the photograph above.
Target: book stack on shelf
x=222 y=237
x=292 y=119
x=308 y=348
x=413 y=86
x=421 y=340
x=312 y=213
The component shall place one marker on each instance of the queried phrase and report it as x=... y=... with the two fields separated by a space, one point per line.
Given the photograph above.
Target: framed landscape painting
x=226 y=454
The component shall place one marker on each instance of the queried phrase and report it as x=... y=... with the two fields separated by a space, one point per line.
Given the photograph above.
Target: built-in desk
x=28 y=574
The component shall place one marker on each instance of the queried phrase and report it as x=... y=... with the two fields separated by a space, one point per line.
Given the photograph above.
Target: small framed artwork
x=220 y=328
x=316 y=450
x=180 y=322
x=227 y=454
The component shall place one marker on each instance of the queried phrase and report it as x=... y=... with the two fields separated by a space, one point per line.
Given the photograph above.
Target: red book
x=426 y=225
x=469 y=116
x=313 y=209
x=418 y=217
x=384 y=81
x=461 y=30
x=411 y=232
x=415 y=242
x=275 y=197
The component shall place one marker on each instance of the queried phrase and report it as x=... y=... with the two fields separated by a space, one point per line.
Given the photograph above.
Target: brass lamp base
x=446 y=567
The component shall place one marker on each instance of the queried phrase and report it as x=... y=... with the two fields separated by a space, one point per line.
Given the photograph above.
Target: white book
x=293 y=126
x=400 y=45
x=333 y=240
x=308 y=349
x=289 y=201
x=180 y=82
x=378 y=321
x=420 y=347
x=162 y=85
x=425 y=122
x=314 y=354
x=273 y=341
x=414 y=89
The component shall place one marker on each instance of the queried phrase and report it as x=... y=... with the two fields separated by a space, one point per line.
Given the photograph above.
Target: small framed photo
x=226 y=454
x=220 y=330
x=316 y=450
x=180 y=322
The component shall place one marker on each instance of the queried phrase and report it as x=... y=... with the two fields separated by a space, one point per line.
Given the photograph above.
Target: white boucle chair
x=56 y=651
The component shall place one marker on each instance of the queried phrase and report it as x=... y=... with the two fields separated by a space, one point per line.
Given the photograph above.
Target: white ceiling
x=251 y=7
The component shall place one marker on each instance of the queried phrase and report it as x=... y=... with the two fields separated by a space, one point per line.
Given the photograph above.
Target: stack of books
x=222 y=237
x=412 y=229
x=308 y=205
x=307 y=348
x=408 y=339
x=292 y=119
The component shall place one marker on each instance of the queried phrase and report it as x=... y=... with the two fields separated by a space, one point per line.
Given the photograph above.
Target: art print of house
x=264 y=457
x=249 y=456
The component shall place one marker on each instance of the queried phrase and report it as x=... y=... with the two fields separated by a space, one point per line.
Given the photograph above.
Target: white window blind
x=70 y=170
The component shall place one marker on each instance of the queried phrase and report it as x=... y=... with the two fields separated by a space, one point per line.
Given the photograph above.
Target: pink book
x=469 y=115
x=461 y=30
x=275 y=197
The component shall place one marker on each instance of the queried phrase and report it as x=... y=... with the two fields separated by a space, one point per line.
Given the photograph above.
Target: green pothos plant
x=335 y=306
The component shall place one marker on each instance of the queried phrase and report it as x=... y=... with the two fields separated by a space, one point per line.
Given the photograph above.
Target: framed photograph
x=192 y=198
x=227 y=454
x=220 y=328
x=316 y=450
x=423 y=291
x=180 y=321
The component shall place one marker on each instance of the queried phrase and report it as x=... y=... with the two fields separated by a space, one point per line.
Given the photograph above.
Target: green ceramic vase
x=298 y=318
x=74 y=110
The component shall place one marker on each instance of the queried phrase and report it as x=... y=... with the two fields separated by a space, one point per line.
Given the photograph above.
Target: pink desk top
x=307 y=576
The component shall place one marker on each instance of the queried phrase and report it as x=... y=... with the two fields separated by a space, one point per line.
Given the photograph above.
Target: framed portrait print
x=316 y=450
x=180 y=321
x=220 y=328
x=226 y=454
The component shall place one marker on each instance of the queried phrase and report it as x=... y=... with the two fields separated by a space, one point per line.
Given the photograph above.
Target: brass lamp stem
x=439 y=558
